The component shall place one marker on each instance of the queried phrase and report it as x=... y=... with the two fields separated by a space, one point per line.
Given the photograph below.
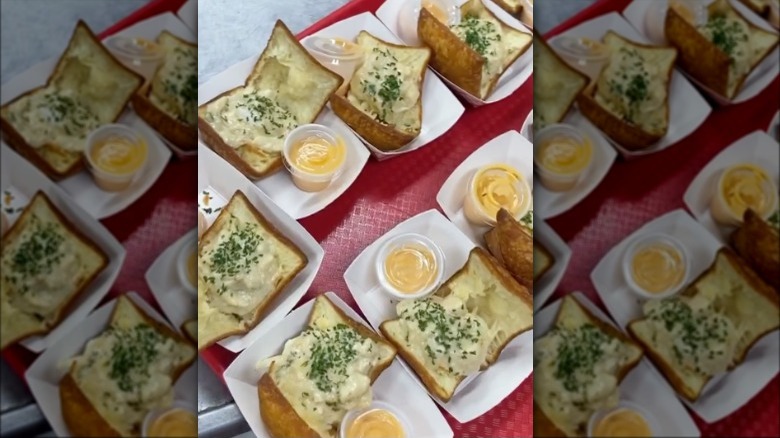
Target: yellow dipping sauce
x=747 y=186
x=499 y=186
x=658 y=267
x=174 y=423
x=118 y=155
x=317 y=155
x=411 y=267
x=566 y=155
x=623 y=423
x=376 y=423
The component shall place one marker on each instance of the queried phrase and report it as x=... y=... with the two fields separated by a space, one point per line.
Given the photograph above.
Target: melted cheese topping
x=324 y=374
x=411 y=268
x=746 y=186
x=445 y=334
x=385 y=89
x=658 y=267
x=174 y=423
x=126 y=371
x=50 y=114
x=239 y=268
x=484 y=36
x=623 y=422
x=633 y=89
x=376 y=423
x=576 y=371
x=698 y=335
x=730 y=33
x=40 y=269
x=317 y=155
x=175 y=86
x=118 y=154
x=252 y=117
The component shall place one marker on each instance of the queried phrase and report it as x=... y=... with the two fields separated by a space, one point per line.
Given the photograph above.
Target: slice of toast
x=490 y=294
x=47 y=263
x=729 y=303
x=474 y=63
x=514 y=7
x=383 y=102
x=88 y=88
x=286 y=88
x=244 y=262
x=543 y=260
x=512 y=244
x=168 y=102
x=722 y=53
x=627 y=102
x=288 y=405
x=123 y=373
x=759 y=244
x=565 y=364
x=557 y=89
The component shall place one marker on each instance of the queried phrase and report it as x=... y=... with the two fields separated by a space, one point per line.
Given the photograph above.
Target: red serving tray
x=156 y=220
x=637 y=191
x=391 y=191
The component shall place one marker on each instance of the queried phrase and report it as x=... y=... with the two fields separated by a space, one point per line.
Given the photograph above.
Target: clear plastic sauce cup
x=138 y=54
x=115 y=155
x=315 y=155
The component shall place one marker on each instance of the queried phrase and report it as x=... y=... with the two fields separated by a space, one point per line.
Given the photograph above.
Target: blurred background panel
x=550 y=13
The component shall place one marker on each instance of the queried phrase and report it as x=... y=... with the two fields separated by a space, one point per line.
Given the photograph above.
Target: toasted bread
x=491 y=296
x=47 y=263
x=514 y=7
x=765 y=9
x=627 y=103
x=190 y=329
x=88 y=88
x=168 y=102
x=556 y=90
x=474 y=66
x=512 y=244
x=543 y=260
x=243 y=264
x=288 y=404
x=728 y=302
x=383 y=102
x=134 y=352
x=722 y=53
x=558 y=408
x=286 y=88
x=759 y=244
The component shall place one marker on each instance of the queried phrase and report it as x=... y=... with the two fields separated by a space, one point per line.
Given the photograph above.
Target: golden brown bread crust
x=702 y=59
x=213 y=140
x=512 y=9
x=185 y=137
x=539 y=39
x=698 y=56
x=80 y=417
x=278 y=414
x=259 y=313
x=17 y=141
x=450 y=56
x=384 y=137
x=543 y=426
x=759 y=244
x=762 y=10
x=541 y=248
x=11 y=234
x=419 y=368
x=628 y=135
